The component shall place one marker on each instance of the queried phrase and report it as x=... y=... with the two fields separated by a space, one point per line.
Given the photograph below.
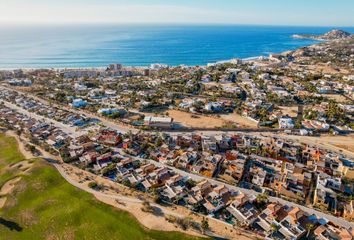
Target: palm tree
x=273 y=229
x=205 y=225
x=262 y=198
x=237 y=223
x=334 y=111
x=309 y=228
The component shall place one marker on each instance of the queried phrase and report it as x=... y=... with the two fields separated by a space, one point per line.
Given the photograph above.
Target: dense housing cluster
x=139 y=127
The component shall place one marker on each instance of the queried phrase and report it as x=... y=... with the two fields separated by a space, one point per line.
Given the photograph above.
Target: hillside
x=331 y=35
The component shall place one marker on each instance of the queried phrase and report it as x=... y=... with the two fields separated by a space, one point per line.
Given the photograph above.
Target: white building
x=286 y=123
x=78 y=103
x=162 y=122
x=158 y=66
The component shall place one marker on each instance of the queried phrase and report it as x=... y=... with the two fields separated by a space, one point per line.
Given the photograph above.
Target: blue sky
x=265 y=12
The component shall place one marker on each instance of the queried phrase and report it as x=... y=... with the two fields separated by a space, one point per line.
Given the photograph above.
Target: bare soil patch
x=23 y=166
x=192 y=120
x=6 y=189
x=9 y=186
x=336 y=97
x=291 y=111
x=241 y=121
x=28 y=217
x=21 y=145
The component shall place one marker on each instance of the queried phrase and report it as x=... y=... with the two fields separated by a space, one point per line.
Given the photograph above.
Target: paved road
x=105 y=195
x=337 y=220
x=317 y=141
x=64 y=127
x=90 y=190
x=196 y=177
x=126 y=199
x=108 y=123
x=122 y=198
x=312 y=141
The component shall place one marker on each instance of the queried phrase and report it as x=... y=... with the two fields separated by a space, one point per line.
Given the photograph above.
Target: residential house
x=243 y=210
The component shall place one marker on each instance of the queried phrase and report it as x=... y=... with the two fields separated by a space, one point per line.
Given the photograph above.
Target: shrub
x=205 y=224
x=184 y=223
x=147 y=207
x=93 y=184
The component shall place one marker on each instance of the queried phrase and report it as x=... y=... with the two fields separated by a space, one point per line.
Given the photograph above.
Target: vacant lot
x=201 y=121
x=187 y=119
x=344 y=142
x=42 y=205
x=239 y=120
x=336 y=97
x=291 y=111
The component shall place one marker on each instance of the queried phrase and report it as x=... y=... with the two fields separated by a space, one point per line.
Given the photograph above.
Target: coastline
x=248 y=59
x=271 y=62
x=139 y=47
x=100 y=68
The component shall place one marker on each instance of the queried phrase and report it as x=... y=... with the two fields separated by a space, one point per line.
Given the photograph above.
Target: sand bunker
x=7 y=189
x=9 y=186
x=21 y=145
x=23 y=166
x=2 y=201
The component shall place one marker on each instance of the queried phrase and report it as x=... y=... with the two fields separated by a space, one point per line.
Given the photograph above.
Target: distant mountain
x=331 y=35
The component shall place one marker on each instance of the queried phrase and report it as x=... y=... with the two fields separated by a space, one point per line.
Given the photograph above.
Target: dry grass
x=28 y=217
x=344 y=142
x=291 y=111
x=187 y=120
x=336 y=97
x=241 y=121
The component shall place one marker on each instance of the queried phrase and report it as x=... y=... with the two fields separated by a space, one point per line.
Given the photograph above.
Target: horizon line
x=165 y=24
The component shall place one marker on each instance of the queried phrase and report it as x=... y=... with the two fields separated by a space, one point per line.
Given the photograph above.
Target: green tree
x=205 y=225
x=190 y=183
x=334 y=112
x=309 y=228
x=273 y=229
x=60 y=97
x=262 y=198
x=93 y=184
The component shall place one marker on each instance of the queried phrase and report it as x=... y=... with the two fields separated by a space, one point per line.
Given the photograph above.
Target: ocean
x=142 y=45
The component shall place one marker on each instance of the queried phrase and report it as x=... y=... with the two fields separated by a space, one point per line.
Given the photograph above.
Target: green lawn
x=45 y=206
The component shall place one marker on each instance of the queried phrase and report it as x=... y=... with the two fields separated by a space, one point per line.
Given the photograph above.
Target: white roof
x=158 y=119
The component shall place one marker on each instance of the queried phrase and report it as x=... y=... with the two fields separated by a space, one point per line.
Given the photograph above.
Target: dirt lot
x=187 y=120
x=336 y=97
x=241 y=121
x=344 y=142
x=291 y=111
x=327 y=69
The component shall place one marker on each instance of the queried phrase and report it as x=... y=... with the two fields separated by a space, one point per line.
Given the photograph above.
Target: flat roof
x=158 y=119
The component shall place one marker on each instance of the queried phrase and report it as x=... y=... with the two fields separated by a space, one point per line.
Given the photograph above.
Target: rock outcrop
x=332 y=35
